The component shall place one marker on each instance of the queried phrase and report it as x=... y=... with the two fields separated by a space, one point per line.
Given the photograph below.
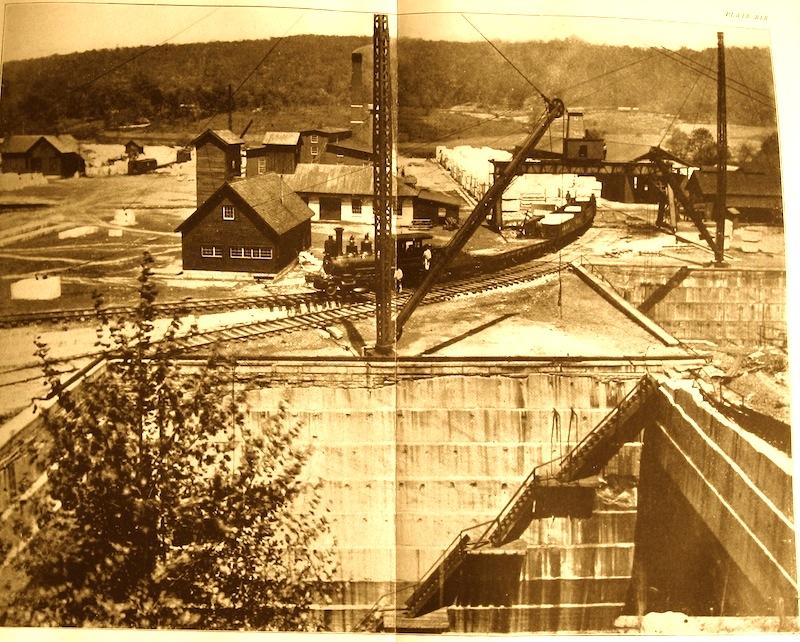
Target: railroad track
x=365 y=309
x=188 y=306
x=491 y=266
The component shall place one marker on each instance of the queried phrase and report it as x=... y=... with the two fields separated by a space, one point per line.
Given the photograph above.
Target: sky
x=34 y=28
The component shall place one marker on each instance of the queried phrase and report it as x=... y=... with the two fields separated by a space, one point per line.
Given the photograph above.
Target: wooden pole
x=722 y=154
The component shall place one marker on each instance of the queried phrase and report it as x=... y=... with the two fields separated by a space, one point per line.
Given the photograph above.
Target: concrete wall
x=407 y=466
x=741 y=305
x=719 y=499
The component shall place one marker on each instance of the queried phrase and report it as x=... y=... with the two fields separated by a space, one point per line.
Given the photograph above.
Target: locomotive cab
x=348 y=273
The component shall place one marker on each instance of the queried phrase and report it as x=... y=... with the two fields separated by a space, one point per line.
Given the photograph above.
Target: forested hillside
x=441 y=74
x=180 y=83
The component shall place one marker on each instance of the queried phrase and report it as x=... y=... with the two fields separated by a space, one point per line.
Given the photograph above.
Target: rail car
x=343 y=273
x=556 y=225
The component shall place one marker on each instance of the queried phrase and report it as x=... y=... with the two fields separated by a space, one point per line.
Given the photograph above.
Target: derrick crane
x=554 y=108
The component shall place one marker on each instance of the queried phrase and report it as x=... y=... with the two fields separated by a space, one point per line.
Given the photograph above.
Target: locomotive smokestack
x=339 y=240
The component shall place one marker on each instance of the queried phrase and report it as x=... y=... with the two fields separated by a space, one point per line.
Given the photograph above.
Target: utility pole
x=382 y=179
x=720 y=206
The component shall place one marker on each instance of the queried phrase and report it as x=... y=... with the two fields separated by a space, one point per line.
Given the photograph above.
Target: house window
x=228 y=213
x=261 y=253
x=262 y=165
x=356 y=206
x=314 y=138
x=315 y=150
x=211 y=252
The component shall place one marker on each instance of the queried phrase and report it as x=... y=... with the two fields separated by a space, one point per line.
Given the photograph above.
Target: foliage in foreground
x=164 y=507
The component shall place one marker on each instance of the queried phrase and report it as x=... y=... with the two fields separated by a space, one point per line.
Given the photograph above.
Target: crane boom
x=554 y=109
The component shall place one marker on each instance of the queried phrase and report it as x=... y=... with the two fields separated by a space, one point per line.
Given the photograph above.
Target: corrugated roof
x=281 y=138
x=273 y=200
x=320 y=178
x=340 y=180
x=225 y=136
x=21 y=143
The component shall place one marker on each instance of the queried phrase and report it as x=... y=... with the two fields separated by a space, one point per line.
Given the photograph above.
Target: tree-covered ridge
x=442 y=74
x=179 y=83
x=175 y=82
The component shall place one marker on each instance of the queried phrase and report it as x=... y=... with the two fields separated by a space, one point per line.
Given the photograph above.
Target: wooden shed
x=42 y=153
x=218 y=159
x=754 y=196
x=279 y=152
x=252 y=224
x=437 y=207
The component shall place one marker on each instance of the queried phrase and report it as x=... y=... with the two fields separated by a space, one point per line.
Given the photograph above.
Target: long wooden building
x=50 y=155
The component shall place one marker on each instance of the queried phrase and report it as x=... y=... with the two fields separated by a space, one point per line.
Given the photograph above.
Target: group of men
x=352 y=249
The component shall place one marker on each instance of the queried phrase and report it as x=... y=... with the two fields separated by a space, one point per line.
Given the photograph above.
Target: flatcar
x=572 y=217
x=345 y=273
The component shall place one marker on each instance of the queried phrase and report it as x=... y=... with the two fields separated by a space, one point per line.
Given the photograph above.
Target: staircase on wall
x=503 y=578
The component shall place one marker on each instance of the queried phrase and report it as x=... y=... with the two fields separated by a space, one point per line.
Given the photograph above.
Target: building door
x=330 y=209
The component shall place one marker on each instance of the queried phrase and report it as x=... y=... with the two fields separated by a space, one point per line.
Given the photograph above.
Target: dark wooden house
x=313 y=142
x=133 y=150
x=279 y=152
x=45 y=154
x=248 y=225
x=753 y=196
x=218 y=158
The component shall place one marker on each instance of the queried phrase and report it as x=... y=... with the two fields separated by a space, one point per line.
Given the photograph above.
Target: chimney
x=339 y=240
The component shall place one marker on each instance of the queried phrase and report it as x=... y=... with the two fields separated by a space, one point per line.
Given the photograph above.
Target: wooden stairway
x=439 y=586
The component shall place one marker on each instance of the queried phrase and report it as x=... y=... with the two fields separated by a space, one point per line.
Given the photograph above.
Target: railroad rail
x=360 y=310
x=168 y=308
x=485 y=264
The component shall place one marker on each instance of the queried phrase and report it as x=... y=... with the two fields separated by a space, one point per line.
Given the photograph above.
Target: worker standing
x=426 y=257
x=398 y=280
x=366 y=245
x=352 y=248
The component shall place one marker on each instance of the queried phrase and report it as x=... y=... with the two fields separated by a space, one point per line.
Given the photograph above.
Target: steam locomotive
x=347 y=272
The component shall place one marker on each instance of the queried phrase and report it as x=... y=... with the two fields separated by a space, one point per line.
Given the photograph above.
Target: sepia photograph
x=396 y=317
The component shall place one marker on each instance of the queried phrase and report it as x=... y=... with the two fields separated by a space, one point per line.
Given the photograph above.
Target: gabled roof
x=439 y=197
x=338 y=132
x=281 y=138
x=21 y=143
x=340 y=180
x=350 y=146
x=268 y=197
x=224 y=136
x=739 y=183
x=321 y=178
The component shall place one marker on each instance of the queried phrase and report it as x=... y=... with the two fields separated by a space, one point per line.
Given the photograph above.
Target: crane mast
x=554 y=109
